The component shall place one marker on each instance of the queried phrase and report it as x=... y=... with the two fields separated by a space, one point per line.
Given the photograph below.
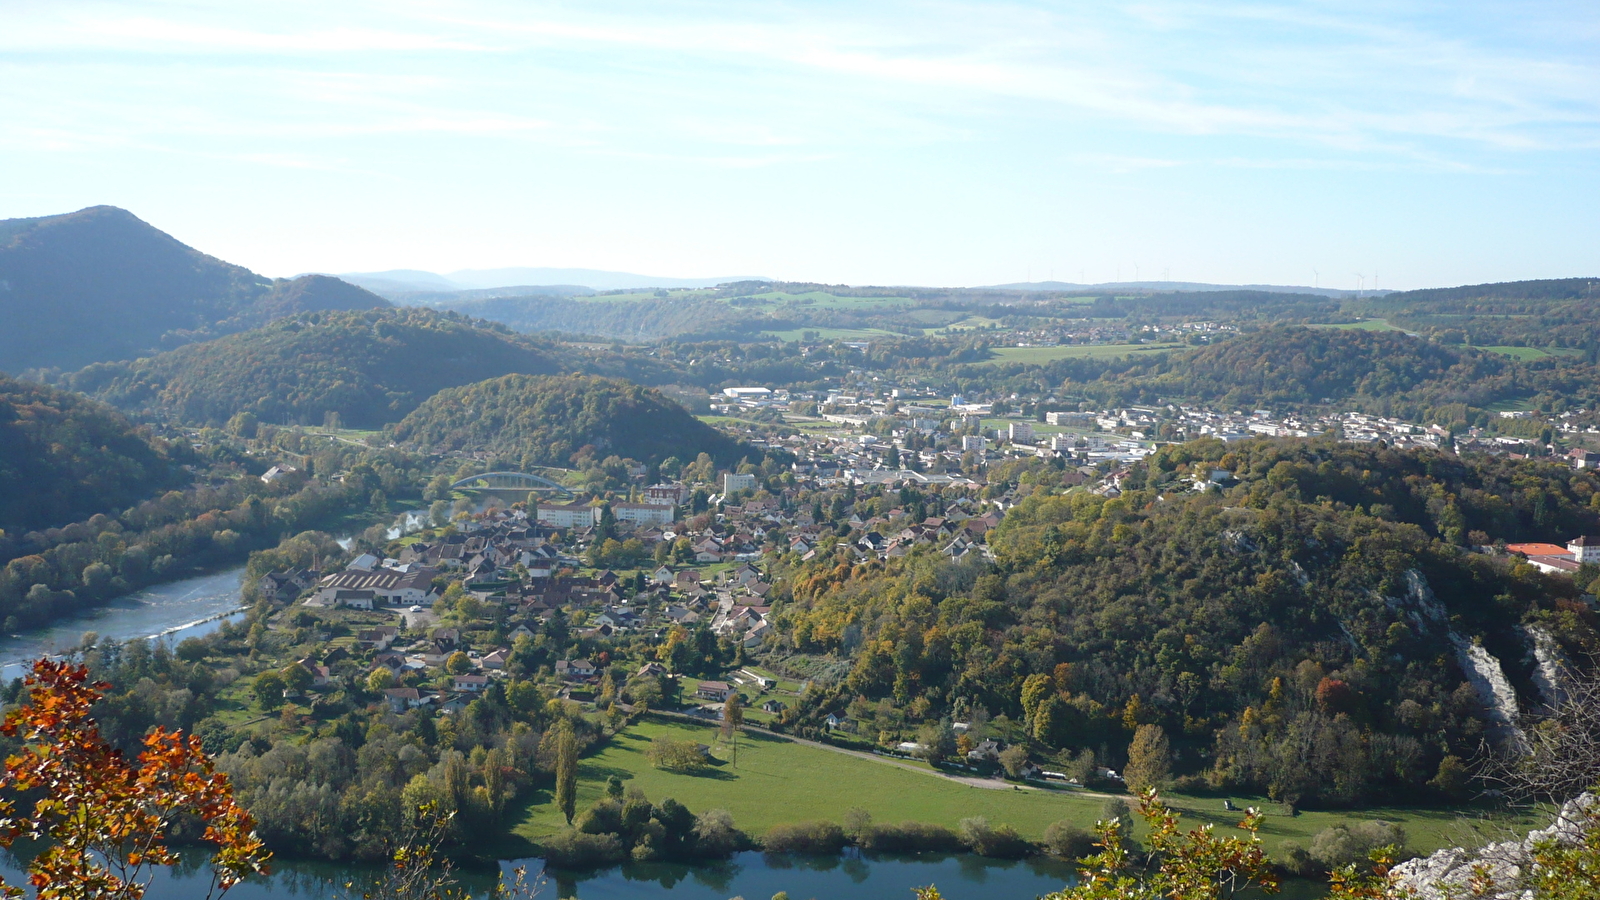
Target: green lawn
x=778 y=781
x=837 y=334
x=1041 y=355
x=989 y=423
x=731 y=421
x=969 y=323
x=825 y=300
x=1363 y=325
x=1529 y=354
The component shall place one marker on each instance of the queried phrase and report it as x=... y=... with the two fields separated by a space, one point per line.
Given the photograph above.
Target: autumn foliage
x=107 y=820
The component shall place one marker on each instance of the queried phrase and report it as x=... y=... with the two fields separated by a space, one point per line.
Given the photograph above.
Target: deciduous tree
x=106 y=819
x=1149 y=759
x=566 y=770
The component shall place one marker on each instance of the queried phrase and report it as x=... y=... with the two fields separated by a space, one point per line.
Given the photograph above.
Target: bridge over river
x=508 y=482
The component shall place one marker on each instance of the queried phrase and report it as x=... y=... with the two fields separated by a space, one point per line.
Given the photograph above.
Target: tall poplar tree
x=566 y=770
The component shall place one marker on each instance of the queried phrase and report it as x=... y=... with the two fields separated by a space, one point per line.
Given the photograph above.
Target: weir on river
x=174 y=611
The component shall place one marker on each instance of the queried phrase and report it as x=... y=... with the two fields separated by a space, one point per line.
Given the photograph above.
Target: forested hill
x=1387 y=372
x=546 y=421
x=1501 y=292
x=640 y=319
x=64 y=457
x=1309 y=631
x=1559 y=313
x=371 y=367
x=1307 y=365
x=99 y=284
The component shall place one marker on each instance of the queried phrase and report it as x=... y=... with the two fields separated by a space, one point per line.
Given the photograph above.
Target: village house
x=379 y=638
x=713 y=690
x=285 y=586
x=404 y=698
x=575 y=669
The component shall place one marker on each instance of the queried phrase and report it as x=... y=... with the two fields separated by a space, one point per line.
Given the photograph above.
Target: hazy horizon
x=1379 y=145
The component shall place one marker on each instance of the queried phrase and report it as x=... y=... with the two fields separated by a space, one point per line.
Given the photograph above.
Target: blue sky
x=951 y=143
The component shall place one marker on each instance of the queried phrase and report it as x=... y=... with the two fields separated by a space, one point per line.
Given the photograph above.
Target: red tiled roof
x=1538 y=549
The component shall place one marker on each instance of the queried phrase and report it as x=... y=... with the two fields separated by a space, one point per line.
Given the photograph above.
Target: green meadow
x=778 y=781
x=1041 y=355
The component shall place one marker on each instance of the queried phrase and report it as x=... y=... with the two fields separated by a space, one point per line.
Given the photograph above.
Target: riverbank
x=172 y=611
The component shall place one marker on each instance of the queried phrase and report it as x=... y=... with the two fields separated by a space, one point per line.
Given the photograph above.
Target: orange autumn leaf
x=106 y=818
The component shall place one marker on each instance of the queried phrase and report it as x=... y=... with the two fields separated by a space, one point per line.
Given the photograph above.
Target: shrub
x=1065 y=840
x=1342 y=845
x=805 y=837
x=715 y=836
x=1294 y=860
x=910 y=837
x=679 y=756
x=604 y=817
x=574 y=849
x=1001 y=843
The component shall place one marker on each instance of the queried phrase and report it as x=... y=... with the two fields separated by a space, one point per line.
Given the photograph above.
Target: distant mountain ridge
x=411 y=281
x=1177 y=287
x=100 y=284
x=1547 y=289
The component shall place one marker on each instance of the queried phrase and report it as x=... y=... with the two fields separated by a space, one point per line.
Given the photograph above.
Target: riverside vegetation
x=1315 y=624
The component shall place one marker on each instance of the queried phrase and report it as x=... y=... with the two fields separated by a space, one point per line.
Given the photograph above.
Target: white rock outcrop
x=1447 y=874
x=1552 y=670
x=1483 y=670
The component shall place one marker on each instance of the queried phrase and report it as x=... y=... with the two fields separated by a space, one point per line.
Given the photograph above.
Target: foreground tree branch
x=106 y=819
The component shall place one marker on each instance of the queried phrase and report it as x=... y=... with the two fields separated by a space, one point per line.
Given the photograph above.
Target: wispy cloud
x=967 y=127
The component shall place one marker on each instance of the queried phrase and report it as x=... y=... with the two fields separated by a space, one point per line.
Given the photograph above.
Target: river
x=196 y=606
x=171 y=611
x=754 y=876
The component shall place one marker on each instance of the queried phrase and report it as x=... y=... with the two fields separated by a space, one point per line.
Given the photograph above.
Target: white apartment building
x=570 y=515
x=644 y=513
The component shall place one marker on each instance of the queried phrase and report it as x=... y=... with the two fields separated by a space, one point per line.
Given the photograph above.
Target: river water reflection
x=197 y=606
x=753 y=876
x=172 y=611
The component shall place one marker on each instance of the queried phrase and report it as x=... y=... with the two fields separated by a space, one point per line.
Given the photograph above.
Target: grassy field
x=1529 y=354
x=836 y=334
x=970 y=323
x=1040 y=355
x=732 y=421
x=823 y=300
x=778 y=781
x=989 y=424
x=1364 y=325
